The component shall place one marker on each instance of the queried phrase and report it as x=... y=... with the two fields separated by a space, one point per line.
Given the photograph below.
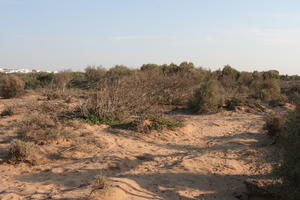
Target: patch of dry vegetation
x=21 y=151
x=139 y=100
x=290 y=165
x=11 y=86
x=40 y=128
x=148 y=123
x=8 y=110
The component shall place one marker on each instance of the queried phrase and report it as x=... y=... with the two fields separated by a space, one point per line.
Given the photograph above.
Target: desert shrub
x=37 y=80
x=21 y=151
x=61 y=80
x=8 y=110
x=174 y=89
x=65 y=95
x=93 y=75
x=274 y=124
x=267 y=90
x=99 y=182
x=245 y=78
x=40 y=128
x=11 y=86
x=279 y=101
x=233 y=102
x=78 y=80
x=136 y=94
x=148 y=123
x=150 y=67
x=186 y=66
x=291 y=90
x=290 y=167
x=31 y=82
x=272 y=74
x=115 y=100
x=119 y=71
x=208 y=98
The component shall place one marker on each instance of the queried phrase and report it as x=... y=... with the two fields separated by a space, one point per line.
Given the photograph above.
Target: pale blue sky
x=60 y=34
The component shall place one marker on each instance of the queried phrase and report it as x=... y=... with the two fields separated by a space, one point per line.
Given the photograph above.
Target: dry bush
x=61 y=80
x=290 y=164
x=267 y=90
x=9 y=110
x=40 y=128
x=11 y=86
x=99 y=182
x=93 y=75
x=233 y=102
x=274 y=125
x=21 y=151
x=208 y=98
x=148 y=123
x=137 y=94
x=67 y=95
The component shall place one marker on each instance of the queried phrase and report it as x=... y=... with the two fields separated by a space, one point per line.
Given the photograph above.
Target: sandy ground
x=209 y=158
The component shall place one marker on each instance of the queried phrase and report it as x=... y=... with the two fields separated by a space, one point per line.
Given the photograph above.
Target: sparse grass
x=21 y=151
x=41 y=129
x=150 y=123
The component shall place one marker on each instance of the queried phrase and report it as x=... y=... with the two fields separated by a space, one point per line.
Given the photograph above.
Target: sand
x=209 y=158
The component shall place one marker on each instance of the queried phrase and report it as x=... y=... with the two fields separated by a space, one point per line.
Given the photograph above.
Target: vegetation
x=208 y=98
x=140 y=98
x=290 y=167
x=11 y=86
x=148 y=123
x=274 y=125
x=40 y=128
x=8 y=111
x=21 y=151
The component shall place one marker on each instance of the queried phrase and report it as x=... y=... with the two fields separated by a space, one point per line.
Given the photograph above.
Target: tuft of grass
x=99 y=182
x=21 y=151
x=148 y=123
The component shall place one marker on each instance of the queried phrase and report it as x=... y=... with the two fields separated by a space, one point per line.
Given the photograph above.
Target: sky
x=72 y=34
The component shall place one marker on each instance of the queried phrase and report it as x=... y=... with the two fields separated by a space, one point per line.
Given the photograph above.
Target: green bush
x=11 y=86
x=267 y=90
x=208 y=98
